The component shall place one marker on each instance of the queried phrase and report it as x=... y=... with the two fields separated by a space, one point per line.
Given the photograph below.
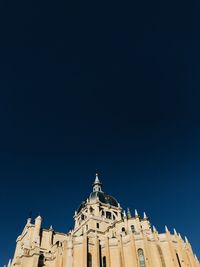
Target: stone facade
x=103 y=236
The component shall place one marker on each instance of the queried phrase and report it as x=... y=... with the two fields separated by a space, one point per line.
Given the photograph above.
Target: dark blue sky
x=112 y=86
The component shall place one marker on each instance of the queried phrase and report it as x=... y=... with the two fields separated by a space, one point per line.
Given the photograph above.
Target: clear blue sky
x=94 y=85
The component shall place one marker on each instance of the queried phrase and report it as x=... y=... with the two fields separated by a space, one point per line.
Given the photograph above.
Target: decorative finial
x=29 y=217
x=179 y=235
x=28 y=220
x=175 y=231
x=145 y=216
x=124 y=213
x=128 y=213
x=154 y=229
x=166 y=229
x=136 y=213
x=9 y=263
x=38 y=217
x=186 y=240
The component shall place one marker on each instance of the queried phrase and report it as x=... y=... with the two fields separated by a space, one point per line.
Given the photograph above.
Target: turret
x=137 y=221
x=28 y=221
x=38 y=222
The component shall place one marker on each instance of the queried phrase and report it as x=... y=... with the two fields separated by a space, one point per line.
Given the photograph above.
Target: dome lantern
x=97 y=184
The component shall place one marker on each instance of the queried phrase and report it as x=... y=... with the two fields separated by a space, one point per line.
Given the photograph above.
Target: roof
x=102 y=197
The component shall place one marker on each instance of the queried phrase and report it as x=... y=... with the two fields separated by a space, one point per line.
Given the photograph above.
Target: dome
x=98 y=194
x=104 y=198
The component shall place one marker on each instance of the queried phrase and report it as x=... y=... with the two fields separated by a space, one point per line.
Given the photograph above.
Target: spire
x=28 y=221
x=186 y=240
x=145 y=216
x=128 y=213
x=154 y=229
x=166 y=229
x=124 y=214
x=9 y=263
x=136 y=213
x=97 y=184
x=29 y=217
x=175 y=231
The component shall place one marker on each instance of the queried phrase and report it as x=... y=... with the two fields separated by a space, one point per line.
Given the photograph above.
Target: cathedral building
x=103 y=236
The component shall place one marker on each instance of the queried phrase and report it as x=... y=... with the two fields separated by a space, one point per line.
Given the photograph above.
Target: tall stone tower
x=103 y=236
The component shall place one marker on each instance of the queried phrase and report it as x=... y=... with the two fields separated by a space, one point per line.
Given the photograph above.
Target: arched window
x=133 y=228
x=108 y=214
x=89 y=260
x=161 y=256
x=179 y=263
x=141 y=258
x=123 y=231
x=104 y=261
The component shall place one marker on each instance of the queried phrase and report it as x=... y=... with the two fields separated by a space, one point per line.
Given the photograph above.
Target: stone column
x=134 y=251
x=107 y=252
x=85 y=250
x=147 y=250
x=96 y=252
x=70 y=254
x=120 y=243
x=171 y=248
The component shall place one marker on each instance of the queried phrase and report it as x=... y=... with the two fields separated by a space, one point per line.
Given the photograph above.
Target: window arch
x=141 y=257
x=108 y=214
x=123 y=231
